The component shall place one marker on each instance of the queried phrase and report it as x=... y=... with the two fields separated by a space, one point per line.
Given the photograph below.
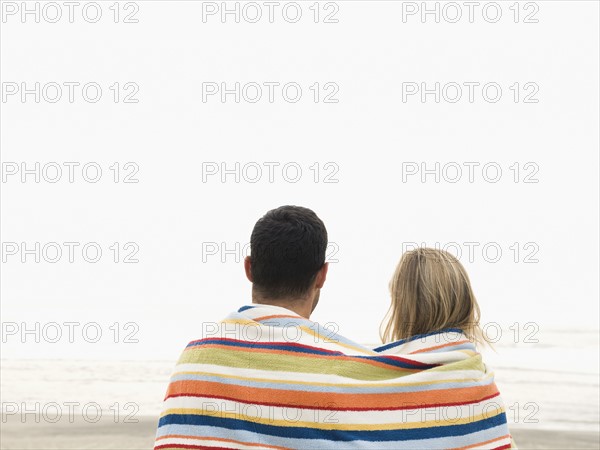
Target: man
x=267 y=377
x=287 y=267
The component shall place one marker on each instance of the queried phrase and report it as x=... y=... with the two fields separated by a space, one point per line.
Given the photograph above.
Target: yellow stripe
x=240 y=321
x=336 y=426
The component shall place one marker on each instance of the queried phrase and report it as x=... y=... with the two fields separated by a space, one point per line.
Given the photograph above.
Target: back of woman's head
x=430 y=292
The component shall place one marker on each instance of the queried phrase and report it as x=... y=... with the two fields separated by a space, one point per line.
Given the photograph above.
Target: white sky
x=367 y=135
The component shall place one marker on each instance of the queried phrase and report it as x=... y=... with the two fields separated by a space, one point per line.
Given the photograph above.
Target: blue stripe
x=244 y=308
x=320 y=444
x=392 y=362
x=333 y=435
x=415 y=337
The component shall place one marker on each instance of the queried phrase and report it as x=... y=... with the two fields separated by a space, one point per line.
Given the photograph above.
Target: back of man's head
x=287 y=250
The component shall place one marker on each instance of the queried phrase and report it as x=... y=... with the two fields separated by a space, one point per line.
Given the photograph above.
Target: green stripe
x=241 y=358
x=472 y=363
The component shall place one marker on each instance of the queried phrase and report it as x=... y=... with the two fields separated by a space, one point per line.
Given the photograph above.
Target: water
x=551 y=384
x=129 y=386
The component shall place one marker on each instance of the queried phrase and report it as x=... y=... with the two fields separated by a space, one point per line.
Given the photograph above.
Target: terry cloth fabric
x=266 y=378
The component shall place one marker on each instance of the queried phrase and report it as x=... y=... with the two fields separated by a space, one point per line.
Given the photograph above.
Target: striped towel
x=266 y=378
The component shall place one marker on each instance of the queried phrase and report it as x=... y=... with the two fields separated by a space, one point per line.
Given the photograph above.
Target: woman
x=431 y=292
x=434 y=319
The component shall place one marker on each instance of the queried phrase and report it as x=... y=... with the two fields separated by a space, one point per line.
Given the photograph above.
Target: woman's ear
x=248 y=268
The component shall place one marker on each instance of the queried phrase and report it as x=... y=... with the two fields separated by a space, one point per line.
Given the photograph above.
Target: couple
x=266 y=377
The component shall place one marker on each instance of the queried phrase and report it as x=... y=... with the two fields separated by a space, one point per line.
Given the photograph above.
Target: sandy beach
x=80 y=435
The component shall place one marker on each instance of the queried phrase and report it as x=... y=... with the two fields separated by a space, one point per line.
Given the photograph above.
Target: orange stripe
x=183 y=436
x=276 y=316
x=307 y=399
x=439 y=346
x=482 y=443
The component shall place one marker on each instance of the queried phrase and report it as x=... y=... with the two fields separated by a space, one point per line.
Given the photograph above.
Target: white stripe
x=438 y=416
x=209 y=443
x=293 y=333
x=425 y=376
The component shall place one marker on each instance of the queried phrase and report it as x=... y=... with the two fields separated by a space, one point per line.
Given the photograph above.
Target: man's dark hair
x=287 y=249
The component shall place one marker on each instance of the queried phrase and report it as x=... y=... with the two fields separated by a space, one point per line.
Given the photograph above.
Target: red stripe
x=158 y=447
x=346 y=400
x=333 y=408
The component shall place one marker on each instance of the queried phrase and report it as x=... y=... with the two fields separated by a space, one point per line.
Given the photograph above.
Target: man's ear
x=248 y=268
x=321 y=276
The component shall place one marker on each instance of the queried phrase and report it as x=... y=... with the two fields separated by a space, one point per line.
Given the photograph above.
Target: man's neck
x=301 y=306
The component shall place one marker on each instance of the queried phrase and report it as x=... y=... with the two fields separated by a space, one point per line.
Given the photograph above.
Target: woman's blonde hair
x=431 y=291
